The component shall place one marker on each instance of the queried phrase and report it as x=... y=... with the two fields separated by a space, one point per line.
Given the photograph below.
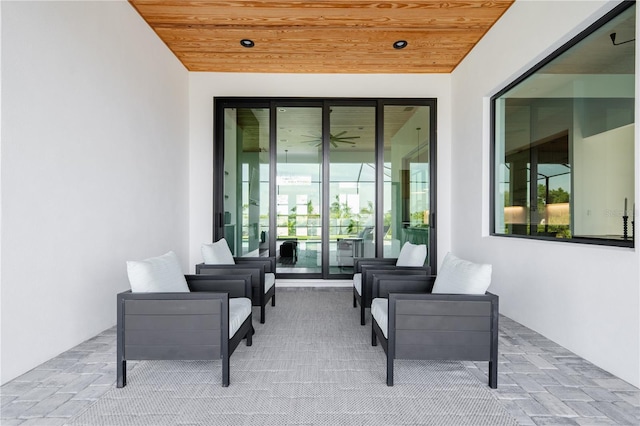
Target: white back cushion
x=458 y=276
x=161 y=274
x=412 y=255
x=217 y=253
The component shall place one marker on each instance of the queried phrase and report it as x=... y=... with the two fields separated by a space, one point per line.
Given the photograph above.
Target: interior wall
x=205 y=86
x=93 y=168
x=584 y=297
x=600 y=197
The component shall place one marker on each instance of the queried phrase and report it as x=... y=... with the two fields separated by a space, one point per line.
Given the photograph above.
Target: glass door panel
x=246 y=180
x=407 y=178
x=299 y=190
x=352 y=189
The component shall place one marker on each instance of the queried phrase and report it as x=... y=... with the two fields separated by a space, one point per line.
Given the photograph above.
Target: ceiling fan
x=334 y=139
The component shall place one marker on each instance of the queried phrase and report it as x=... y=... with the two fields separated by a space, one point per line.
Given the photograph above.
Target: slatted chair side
x=443 y=327
x=171 y=326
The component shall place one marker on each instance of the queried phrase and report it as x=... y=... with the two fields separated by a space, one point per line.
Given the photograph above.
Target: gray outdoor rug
x=311 y=363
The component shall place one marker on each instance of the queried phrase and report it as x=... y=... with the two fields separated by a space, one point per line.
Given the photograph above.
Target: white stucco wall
x=584 y=297
x=205 y=86
x=106 y=156
x=94 y=168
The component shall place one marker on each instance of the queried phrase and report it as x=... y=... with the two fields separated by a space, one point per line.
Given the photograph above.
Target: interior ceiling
x=329 y=36
x=299 y=129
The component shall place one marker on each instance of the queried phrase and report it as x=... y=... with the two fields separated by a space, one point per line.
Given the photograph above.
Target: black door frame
x=221 y=103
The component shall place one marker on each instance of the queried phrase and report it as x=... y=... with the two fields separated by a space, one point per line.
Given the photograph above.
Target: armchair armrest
x=359 y=261
x=256 y=271
x=383 y=284
x=269 y=262
x=368 y=268
x=234 y=285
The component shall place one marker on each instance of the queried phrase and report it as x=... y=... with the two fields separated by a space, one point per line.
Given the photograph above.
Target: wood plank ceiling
x=330 y=36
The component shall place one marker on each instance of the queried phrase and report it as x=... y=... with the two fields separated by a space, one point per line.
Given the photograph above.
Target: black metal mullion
x=325 y=178
x=379 y=197
x=433 y=180
x=273 y=175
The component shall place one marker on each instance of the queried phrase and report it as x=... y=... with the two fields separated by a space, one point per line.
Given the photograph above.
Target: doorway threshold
x=313 y=283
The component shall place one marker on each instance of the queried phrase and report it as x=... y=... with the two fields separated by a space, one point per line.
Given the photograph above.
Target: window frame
x=617 y=10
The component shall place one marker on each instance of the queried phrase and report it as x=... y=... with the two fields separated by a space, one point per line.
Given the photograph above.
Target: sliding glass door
x=298 y=187
x=352 y=190
x=319 y=182
x=408 y=181
x=243 y=219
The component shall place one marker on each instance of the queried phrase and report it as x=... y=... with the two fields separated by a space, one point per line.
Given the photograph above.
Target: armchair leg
x=121 y=374
x=389 y=371
x=273 y=300
x=249 y=337
x=262 y=314
x=362 y=315
x=374 y=339
x=355 y=303
x=225 y=370
x=493 y=374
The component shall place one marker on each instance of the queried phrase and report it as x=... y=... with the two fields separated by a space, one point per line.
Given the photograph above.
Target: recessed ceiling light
x=400 y=44
x=245 y=42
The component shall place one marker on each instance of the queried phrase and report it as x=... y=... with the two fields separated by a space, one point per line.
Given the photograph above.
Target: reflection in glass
x=299 y=190
x=564 y=142
x=246 y=177
x=352 y=186
x=406 y=177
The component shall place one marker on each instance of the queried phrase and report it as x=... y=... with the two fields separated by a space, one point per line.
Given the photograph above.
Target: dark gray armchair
x=262 y=271
x=364 y=271
x=413 y=324
x=206 y=323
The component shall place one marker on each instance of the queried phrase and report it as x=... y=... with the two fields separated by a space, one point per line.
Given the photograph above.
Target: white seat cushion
x=412 y=255
x=239 y=310
x=269 y=280
x=380 y=312
x=217 y=253
x=458 y=276
x=357 y=282
x=161 y=274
